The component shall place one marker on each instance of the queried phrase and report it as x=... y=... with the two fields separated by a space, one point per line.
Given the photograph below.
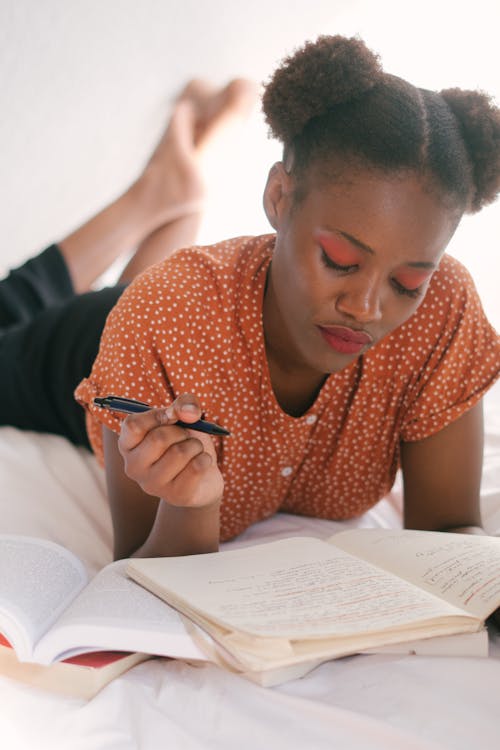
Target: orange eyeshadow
x=412 y=278
x=339 y=250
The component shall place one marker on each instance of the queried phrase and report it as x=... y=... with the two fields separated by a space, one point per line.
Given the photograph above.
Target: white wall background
x=85 y=87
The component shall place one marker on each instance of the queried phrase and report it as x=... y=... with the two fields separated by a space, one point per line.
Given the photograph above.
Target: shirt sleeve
x=463 y=360
x=128 y=363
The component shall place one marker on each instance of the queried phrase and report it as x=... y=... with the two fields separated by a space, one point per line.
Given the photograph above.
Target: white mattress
x=50 y=489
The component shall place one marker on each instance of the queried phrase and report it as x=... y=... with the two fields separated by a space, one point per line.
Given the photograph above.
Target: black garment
x=49 y=338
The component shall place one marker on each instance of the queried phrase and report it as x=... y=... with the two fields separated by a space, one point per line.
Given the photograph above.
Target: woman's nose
x=360 y=300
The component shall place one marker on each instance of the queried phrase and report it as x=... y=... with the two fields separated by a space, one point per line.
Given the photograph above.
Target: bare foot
x=218 y=109
x=173 y=181
x=162 y=210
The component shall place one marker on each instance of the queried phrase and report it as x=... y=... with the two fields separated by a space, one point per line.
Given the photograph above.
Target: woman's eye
x=411 y=282
x=330 y=263
x=400 y=289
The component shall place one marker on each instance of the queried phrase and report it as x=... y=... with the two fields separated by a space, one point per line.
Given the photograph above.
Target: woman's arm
x=153 y=459
x=442 y=477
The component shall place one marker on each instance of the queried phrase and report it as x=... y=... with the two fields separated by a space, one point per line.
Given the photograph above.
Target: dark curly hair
x=332 y=97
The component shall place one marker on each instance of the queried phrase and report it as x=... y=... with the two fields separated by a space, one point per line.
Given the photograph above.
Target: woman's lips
x=345 y=340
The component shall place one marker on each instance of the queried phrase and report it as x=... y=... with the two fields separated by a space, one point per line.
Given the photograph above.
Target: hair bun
x=479 y=121
x=317 y=76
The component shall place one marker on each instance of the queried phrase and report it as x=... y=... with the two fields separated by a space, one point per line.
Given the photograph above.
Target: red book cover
x=94 y=659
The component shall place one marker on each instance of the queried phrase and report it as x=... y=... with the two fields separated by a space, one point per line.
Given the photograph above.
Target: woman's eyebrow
x=355 y=241
x=368 y=249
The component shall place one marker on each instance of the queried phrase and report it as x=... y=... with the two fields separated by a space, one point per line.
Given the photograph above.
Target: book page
x=114 y=612
x=460 y=568
x=292 y=588
x=38 y=579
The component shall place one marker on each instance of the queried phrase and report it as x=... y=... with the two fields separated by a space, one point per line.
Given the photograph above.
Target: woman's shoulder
x=193 y=282
x=449 y=321
x=450 y=301
x=200 y=272
x=451 y=281
x=451 y=304
x=226 y=259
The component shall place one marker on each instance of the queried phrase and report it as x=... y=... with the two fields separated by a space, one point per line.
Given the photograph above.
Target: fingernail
x=190 y=408
x=169 y=412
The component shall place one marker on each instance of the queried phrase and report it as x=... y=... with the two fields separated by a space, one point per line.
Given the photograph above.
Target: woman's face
x=352 y=262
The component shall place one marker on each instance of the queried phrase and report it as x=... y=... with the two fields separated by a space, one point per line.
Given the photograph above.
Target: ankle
x=166 y=195
x=158 y=210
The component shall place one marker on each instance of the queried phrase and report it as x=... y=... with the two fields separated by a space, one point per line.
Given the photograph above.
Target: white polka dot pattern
x=194 y=324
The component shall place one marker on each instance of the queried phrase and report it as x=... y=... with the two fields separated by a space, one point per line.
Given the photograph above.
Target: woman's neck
x=295 y=390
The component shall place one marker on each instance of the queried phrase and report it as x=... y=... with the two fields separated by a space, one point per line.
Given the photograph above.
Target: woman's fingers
x=193 y=482
x=169 y=461
x=135 y=427
x=187 y=408
x=155 y=476
x=200 y=483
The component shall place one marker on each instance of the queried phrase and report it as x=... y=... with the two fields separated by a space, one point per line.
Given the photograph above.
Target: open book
x=50 y=611
x=275 y=607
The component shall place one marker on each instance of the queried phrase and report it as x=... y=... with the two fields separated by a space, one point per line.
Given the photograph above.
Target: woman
x=336 y=350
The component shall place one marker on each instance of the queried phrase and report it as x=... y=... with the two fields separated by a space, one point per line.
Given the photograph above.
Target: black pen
x=130 y=406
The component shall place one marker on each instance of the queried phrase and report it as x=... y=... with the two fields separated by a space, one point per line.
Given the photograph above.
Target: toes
x=198 y=90
x=241 y=94
x=235 y=100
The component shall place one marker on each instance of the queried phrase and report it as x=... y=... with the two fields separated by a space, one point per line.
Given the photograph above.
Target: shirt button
x=286 y=471
x=311 y=419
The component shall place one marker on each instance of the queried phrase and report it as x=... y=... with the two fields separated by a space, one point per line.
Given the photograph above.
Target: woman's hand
x=174 y=463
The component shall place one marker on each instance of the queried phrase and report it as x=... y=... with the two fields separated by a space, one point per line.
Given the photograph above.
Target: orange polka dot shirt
x=193 y=323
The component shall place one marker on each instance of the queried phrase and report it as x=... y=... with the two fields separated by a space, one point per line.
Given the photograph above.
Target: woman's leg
x=43 y=360
x=40 y=283
x=45 y=353
x=203 y=116
x=169 y=194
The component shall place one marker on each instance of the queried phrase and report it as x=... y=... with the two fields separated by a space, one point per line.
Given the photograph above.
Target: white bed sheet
x=50 y=489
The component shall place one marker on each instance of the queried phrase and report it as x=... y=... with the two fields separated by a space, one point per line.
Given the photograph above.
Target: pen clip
x=116 y=400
